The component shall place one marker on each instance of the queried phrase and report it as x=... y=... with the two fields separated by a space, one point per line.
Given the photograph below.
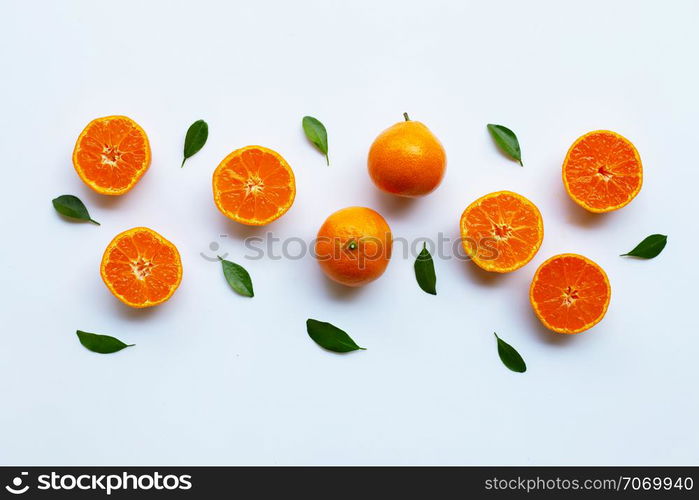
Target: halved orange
x=141 y=268
x=570 y=293
x=501 y=231
x=254 y=186
x=112 y=154
x=602 y=171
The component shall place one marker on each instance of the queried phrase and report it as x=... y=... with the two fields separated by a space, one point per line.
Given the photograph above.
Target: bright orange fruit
x=141 y=268
x=254 y=186
x=111 y=154
x=602 y=171
x=354 y=246
x=570 y=293
x=501 y=231
x=407 y=160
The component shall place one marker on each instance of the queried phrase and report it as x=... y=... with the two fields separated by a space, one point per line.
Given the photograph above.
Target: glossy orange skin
x=354 y=246
x=407 y=160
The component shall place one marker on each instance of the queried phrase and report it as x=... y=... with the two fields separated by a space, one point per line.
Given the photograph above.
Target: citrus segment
x=111 y=154
x=141 y=268
x=570 y=293
x=602 y=171
x=254 y=186
x=501 y=231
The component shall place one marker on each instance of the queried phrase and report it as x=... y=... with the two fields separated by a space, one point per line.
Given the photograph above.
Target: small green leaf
x=71 y=206
x=316 y=133
x=103 y=344
x=424 y=271
x=330 y=337
x=196 y=137
x=649 y=248
x=510 y=357
x=506 y=141
x=237 y=277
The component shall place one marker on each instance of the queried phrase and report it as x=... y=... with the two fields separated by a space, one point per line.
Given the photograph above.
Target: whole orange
x=354 y=246
x=407 y=159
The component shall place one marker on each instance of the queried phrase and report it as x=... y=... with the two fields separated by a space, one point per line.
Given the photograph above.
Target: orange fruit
x=602 y=171
x=407 y=160
x=501 y=231
x=254 y=186
x=141 y=268
x=112 y=154
x=570 y=293
x=354 y=246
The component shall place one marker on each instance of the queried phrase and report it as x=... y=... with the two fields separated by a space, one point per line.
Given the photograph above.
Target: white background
x=216 y=378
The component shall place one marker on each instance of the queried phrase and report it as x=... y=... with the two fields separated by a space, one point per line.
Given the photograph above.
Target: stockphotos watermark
x=105 y=483
x=269 y=246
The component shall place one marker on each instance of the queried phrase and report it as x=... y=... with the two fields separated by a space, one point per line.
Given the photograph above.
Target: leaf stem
x=327 y=159
x=407 y=118
x=520 y=163
x=95 y=222
x=183 y=160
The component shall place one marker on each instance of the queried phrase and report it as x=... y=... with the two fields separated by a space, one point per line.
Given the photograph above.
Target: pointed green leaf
x=510 y=357
x=103 y=344
x=649 y=247
x=71 y=206
x=506 y=141
x=316 y=133
x=237 y=277
x=330 y=337
x=424 y=271
x=197 y=134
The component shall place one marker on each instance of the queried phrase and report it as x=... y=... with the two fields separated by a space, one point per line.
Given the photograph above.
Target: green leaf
x=424 y=271
x=71 y=206
x=103 y=344
x=510 y=357
x=237 y=277
x=316 y=133
x=649 y=248
x=330 y=337
x=196 y=137
x=506 y=141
